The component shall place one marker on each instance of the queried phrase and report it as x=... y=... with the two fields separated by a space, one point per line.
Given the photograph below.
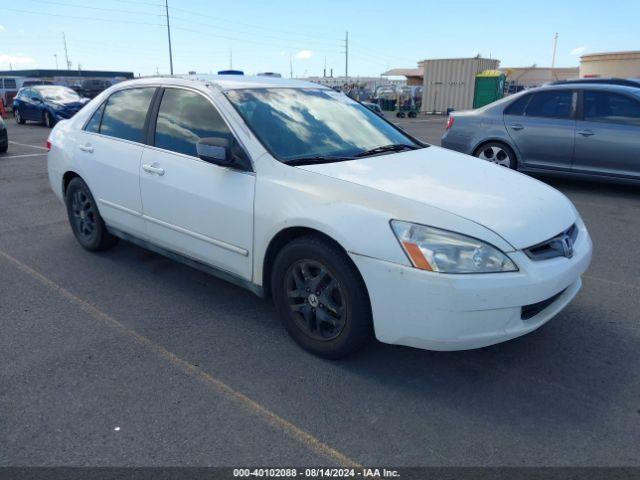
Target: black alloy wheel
x=86 y=223
x=316 y=300
x=321 y=297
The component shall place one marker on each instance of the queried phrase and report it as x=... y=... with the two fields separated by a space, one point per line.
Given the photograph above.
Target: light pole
x=166 y=6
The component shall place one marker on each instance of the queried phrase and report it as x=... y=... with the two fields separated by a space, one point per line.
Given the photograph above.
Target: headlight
x=442 y=251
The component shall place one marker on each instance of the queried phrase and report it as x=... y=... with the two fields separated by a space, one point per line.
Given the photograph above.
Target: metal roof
x=39 y=73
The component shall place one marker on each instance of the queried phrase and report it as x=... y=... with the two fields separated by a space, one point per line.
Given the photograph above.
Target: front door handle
x=516 y=126
x=586 y=133
x=86 y=148
x=153 y=169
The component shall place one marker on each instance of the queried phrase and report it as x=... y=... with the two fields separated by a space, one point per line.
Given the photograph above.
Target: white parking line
x=27 y=145
x=25 y=155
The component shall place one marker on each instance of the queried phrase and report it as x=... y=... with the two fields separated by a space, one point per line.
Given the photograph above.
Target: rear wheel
x=86 y=223
x=18 y=116
x=321 y=298
x=498 y=153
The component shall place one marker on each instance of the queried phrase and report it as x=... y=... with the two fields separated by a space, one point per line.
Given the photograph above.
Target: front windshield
x=58 y=94
x=296 y=123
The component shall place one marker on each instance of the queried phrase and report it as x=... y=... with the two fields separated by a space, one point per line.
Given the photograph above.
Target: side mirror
x=219 y=151
x=214 y=150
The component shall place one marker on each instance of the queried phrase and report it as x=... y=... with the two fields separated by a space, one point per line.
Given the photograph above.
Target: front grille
x=530 y=311
x=559 y=246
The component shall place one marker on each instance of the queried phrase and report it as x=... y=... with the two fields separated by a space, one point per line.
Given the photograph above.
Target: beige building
x=414 y=76
x=612 y=64
x=529 y=77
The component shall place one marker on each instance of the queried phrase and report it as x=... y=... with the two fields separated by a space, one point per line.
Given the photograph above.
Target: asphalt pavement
x=128 y=358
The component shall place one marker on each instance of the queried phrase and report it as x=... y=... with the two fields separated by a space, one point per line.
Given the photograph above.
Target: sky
x=258 y=36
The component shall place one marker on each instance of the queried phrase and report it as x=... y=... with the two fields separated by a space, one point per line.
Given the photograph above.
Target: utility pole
x=55 y=55
x=66 y=53
x=231 y=59
x=290 y=66
x=346 y=56
x=166 y=6
x=555 y=46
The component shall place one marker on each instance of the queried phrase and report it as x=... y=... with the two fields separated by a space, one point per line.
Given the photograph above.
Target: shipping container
x=450 y=83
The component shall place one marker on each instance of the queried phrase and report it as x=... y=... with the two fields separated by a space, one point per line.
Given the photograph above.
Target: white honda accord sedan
x=352 y=226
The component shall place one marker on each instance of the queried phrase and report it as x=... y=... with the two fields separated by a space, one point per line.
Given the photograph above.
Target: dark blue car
x=47 y=104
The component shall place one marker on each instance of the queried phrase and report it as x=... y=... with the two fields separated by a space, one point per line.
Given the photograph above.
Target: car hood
x=76 y=104
x=520 y=209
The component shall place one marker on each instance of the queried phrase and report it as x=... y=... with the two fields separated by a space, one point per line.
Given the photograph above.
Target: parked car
x=89 y=88
x=297 y=192
x=580 y=129
x=4 y=137
x=8 y=90
x=374 y=107
x=46 y=104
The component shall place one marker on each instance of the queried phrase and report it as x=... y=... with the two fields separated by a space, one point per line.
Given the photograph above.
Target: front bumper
x=456 y=312
x=64 y=114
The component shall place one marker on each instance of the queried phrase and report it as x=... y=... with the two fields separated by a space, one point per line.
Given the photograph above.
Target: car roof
x=587 y=86
x=631 y=82
x=223 y=82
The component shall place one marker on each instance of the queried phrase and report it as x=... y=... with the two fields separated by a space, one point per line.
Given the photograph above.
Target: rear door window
x=609 y=107
x=551 y=104
x=184 y=118
x=125 y=114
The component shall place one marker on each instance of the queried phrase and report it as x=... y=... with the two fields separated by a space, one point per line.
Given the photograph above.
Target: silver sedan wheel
x=495 y=154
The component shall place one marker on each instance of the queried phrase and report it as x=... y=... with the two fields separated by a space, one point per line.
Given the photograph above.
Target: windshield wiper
x=317 y=159
x=394 y=147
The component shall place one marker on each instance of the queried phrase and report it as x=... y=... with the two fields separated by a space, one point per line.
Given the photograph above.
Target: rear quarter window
x=518 y=106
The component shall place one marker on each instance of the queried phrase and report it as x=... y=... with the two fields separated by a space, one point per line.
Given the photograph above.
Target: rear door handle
x=153 y=169
x=586 y=133
x=86 y=148
x=517 y=126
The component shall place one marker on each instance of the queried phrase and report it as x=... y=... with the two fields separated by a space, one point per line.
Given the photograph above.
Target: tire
x=48 y=120
x=18 y=117
x=85 y=220
x=321 y=298
x=498 y=153
x=400 y=115
x=413 y=114
x=4 y=147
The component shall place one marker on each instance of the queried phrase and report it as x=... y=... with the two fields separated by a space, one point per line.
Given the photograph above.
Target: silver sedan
x=581 y=129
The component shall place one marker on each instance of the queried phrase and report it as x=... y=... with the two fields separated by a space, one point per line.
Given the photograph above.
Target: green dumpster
x=489 y=87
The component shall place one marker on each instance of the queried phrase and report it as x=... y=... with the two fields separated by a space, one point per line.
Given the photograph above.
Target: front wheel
x=498 y=153
x=321 y=297
x=49 y=121
x=86 y=223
